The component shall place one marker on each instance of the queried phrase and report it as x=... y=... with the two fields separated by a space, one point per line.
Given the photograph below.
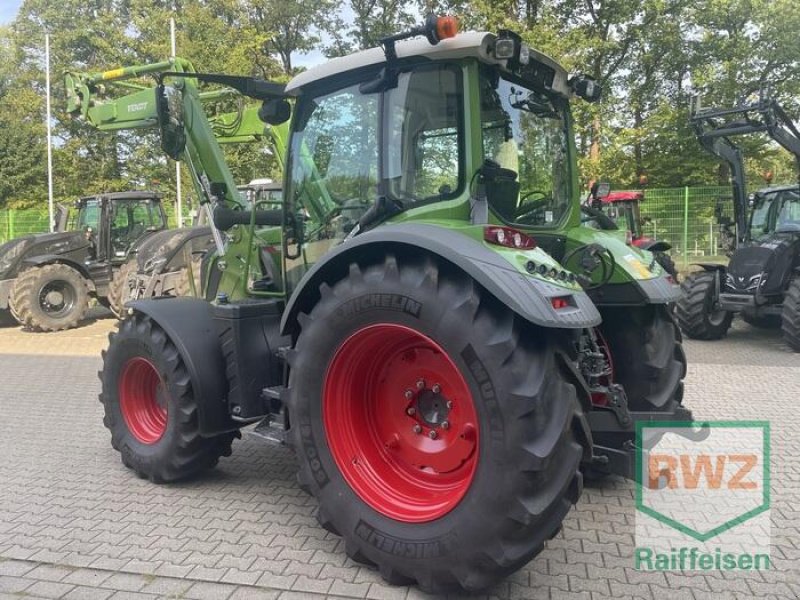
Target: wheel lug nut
x=408 y=394
x=436 y=388
x=411 y=411
x=445 y=424
x=432 y=435
x=417 y=429
x=420 y=384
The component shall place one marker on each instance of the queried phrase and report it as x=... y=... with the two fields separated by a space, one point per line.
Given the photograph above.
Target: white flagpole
x=49 y=133
x=179 y=205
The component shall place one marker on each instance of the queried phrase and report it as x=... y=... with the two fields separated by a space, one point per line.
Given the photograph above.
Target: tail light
x=508 y=238
x=559 y=302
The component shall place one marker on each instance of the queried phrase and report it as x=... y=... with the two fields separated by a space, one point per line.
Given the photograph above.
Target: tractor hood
x=17 y=251
x=764 y=266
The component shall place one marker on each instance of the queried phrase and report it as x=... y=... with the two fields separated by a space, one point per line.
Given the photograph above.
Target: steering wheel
x=603 y=220
x=527 y=195
x=592 y=256
x=532 y=207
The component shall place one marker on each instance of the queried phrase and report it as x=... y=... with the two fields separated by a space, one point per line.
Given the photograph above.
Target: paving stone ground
x=75 y=524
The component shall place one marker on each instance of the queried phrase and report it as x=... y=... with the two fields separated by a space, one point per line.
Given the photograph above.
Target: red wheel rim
x=142 y=400
x=400 y=422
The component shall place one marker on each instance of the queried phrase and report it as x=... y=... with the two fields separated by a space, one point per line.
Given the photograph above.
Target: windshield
x=525 y=131
x=788 y=211
x=88 y=215
x=775 y=211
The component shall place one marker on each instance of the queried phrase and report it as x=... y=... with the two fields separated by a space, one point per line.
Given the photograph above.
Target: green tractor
x=444 y=381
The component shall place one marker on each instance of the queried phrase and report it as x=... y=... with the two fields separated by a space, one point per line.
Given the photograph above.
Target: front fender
x=50 y=259
x=655 y=246
x=189 y=325
x=711 y=267
x=527 y=296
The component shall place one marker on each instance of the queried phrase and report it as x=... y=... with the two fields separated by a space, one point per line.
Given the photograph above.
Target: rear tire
x=50 y=298
x=475 y=502
x=790 y=315
x=183 y=287
x=695 y=311
x=763 y=321
x=119 y=292
x=150 y=409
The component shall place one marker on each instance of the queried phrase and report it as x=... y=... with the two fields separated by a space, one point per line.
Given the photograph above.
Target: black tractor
x=47 y=279
x=762 y=279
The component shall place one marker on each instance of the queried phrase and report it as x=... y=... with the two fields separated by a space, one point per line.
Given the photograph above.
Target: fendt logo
x=702 y=495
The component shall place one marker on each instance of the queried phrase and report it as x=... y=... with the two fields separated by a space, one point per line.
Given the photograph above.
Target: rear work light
x=508 y=238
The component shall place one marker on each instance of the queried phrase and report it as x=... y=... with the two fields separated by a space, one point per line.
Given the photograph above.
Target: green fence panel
x=15 y=223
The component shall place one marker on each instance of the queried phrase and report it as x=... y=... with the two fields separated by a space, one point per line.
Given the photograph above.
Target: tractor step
x=270 y=431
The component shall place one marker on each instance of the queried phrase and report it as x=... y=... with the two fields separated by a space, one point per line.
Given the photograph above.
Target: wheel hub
x=431 y=407
x=409 y=449
x=54 y=298
x=143 y=400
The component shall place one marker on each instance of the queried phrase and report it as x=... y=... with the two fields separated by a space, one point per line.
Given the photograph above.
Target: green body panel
x=633 y=264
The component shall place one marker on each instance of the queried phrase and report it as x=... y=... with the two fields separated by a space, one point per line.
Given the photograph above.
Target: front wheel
x=647 y=356
x=150 y=409
x=441 y=436
x=697 y=311
x=50 y=298
x=121 y=291
x=790 y=315
x=761 y=321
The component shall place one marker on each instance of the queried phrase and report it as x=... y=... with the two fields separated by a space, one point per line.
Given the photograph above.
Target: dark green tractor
x=444 y=381
x=47 y=279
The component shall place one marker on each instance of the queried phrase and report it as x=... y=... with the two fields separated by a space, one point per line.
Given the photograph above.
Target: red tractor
x=623 y=209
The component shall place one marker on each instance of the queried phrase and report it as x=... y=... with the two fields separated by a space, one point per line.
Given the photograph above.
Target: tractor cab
x=623 y=209
x=115 y=223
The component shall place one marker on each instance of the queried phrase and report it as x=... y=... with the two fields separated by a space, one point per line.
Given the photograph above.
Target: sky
x=8 y=10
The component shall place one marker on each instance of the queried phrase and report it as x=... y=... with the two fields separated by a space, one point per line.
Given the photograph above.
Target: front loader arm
x=88 y=95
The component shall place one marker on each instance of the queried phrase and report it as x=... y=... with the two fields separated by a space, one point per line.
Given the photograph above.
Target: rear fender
x=190 y=326
x=524 y=295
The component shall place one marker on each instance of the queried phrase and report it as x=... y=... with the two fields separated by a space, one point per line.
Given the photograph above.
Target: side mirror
x=601 y=190
x=597 y=192
x=587 y=88
x=275 y=111
x=169 y=108
x=61 y=218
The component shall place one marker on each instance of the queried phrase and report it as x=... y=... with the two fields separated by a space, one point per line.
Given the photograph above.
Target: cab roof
x=475 y=44
x=623 y=197
x=124 y=196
